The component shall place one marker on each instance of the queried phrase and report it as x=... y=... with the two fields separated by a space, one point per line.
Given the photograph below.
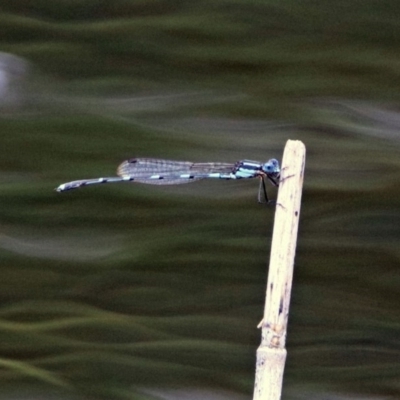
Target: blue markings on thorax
x=247 y=169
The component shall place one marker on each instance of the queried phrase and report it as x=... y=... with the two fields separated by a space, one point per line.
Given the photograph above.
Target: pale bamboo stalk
x=271 y=355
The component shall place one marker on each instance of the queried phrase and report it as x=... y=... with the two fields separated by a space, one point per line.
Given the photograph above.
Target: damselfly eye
x=271 y=166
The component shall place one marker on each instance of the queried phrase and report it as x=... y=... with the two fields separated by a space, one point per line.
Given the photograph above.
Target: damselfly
x=166 y=172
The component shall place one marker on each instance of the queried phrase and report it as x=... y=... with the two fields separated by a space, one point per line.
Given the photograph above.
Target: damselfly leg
x=262 y=190
x=262 y=193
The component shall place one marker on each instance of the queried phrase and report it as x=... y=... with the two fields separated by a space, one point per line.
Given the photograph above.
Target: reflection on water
x=138 y=287
x=130 y=291
x=74 y=247
x=13 y=73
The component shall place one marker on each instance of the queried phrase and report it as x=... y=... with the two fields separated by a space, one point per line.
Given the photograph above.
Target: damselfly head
x=271 y=167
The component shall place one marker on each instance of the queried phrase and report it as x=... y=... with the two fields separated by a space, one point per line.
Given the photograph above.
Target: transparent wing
x=171 y=172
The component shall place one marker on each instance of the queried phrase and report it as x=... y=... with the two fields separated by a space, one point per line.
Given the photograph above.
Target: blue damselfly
x=155 y=171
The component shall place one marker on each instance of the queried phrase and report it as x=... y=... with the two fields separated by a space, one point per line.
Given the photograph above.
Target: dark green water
x=111 y=289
